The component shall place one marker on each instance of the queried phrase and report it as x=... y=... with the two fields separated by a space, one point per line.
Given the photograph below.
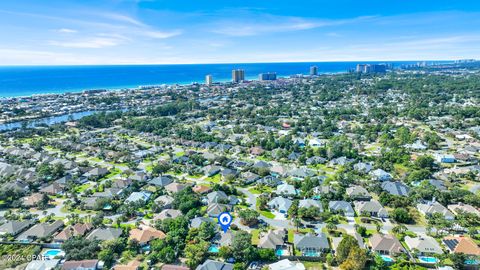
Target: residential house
x=371 y=208
x=42 y=264
x=175 y=187
x=79 y=229
x=132 y=265
x=14 y=227
x=311 y=245
x=165 y=201
x=105 y=234
x=81 y=265
x=286 y=264
x=270 y=181
x=286 y=189
x=53 y=189
x=167 y=213
x=307 y=203
x=424 y=245
x=96 y=173
x=342 y=207
x=395 y=188
x=463 y=208
x=358 y=193
x=145 y=234
x=42 y=230
x=198 y=221
x=215 y=209
x=430 y=208
x=386 y=244
x=301 y=173
x=461 y=244
x=32 y=200
x=380 y=175
x=363 y=167
x=138 y=197
x=274 y=239
x=161 y=181
x=280 y=204
x=214 y=265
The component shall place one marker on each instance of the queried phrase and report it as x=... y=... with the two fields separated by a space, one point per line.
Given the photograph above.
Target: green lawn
x=264 y=213
x=291 y=233
x=215 y=179
x=255 y=236
x=312 y=265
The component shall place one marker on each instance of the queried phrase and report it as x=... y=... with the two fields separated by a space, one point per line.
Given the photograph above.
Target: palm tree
x=297 y=222
x=399 y=229
x=331 y=226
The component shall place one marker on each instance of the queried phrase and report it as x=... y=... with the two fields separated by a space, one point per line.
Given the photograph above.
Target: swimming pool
x=426 y=259
x=279 y=252
x=310 y=254
x=52 y=253
x=472 y=262
x=213 y=249
x=386 y=258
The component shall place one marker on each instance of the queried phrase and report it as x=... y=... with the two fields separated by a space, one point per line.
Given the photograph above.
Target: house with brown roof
x=145 y=234
x=78 y=229
x=32 y=200
x=174 y=267
x=461 y=244
x=386 y=244
x=53 y=189
x=174 y=187
x=200 y=189
x=460 y=208
x=133 y=265
x=81 y=265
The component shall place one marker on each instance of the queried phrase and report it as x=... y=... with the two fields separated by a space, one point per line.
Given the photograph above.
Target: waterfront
x=16 y=81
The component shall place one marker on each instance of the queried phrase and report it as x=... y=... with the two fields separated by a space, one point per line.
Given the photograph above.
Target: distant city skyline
x=107 y=32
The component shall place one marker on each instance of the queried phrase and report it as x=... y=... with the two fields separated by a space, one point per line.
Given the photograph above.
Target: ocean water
x=29 y=80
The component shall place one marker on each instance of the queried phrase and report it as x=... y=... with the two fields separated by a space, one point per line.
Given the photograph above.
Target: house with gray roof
x=198 y=221
x=371 y=208
x=280 y=204
x=380 y=175
x=395 y=188
x=161 y=181
x=341 y=207
x=307 y=203
x=358 y=193
x=286 y=189
x=430 y=208
x=42 y=264
x=141 y=196
x=273 y=239
x=214 y=265
x=105 y=234
x=311 y=245
x=423 y=245
x=14 y=227
x=165 y=200
x=41 y=230
x=215 y=209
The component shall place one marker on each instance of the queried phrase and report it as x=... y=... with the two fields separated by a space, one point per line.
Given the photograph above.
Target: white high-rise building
x=209 y=79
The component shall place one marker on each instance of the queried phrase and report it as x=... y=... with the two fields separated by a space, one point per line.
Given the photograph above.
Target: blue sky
x=201 y=31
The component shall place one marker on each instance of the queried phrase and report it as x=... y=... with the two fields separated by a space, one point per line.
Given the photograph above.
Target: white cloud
x=160 y=34
x=89 y=43
x=67 y=30
x=266 y=23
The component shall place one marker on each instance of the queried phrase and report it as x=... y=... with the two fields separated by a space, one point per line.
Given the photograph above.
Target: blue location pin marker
x=225 y=219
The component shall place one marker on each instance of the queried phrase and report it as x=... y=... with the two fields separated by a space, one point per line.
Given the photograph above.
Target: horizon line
x=231 y=63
